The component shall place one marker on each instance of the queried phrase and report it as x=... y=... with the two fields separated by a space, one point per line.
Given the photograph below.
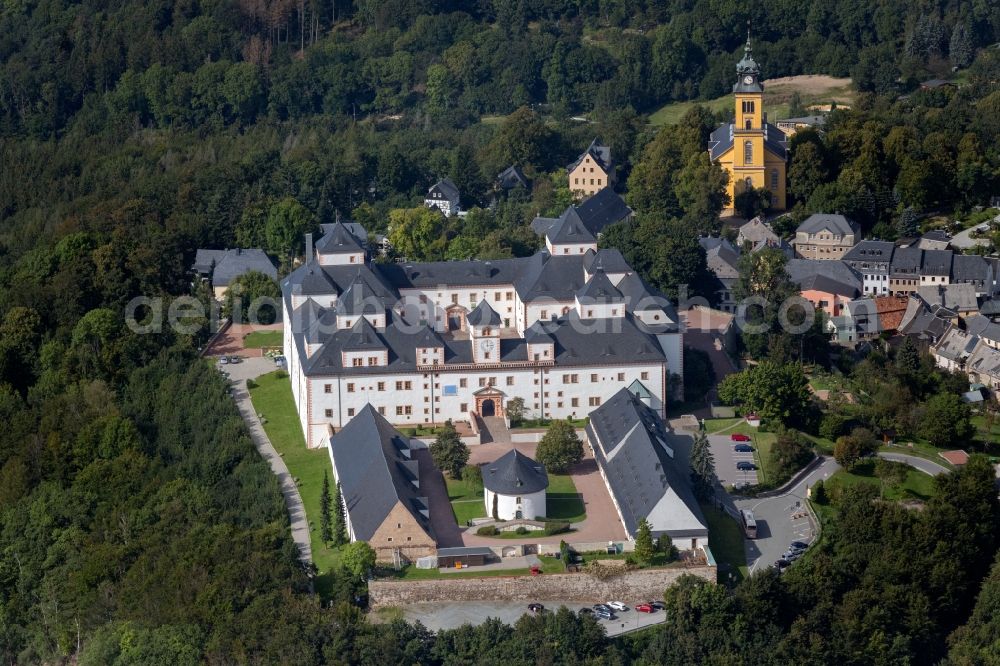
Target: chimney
x=309 y=247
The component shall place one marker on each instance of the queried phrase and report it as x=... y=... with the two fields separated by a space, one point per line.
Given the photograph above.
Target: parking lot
x=437 y=616
x=726 y=458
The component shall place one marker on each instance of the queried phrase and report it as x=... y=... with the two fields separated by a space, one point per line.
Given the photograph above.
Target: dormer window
x=486 y=331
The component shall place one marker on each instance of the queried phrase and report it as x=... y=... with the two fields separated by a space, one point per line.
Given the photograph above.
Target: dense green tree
x=946 y=420
x=417 y=233
x=703 y=478
x=253 y=297
x=807 y=170
x=772 y=391
x=449 y=452
x=560 y=447
x=358 y=558
x=325 y=531
x=338 y=526
x=699 y=374
x=644 y=548
x=285 y=227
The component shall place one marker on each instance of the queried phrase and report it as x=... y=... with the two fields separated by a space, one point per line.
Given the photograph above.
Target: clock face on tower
x=748 y=79
x=487 y=346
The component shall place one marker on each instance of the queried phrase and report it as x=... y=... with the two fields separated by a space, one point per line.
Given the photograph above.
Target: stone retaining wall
x=641 y=584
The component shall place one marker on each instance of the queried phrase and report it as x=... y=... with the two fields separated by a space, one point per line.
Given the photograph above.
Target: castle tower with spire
x=752 y=151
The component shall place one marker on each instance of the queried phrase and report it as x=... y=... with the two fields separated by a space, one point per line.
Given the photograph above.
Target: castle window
x=747 y=152
x=774 y=180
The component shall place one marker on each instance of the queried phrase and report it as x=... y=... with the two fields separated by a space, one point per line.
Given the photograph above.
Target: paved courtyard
x=231 y=342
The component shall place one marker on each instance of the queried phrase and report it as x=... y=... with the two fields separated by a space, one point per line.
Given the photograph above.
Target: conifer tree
x=324 y=510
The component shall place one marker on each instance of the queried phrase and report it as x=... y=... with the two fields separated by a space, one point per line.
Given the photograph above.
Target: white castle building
x=564 y=330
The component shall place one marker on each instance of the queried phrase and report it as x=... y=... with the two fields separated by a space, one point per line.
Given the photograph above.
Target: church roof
x=339 y=240
x=483 y=315
x=721 y=140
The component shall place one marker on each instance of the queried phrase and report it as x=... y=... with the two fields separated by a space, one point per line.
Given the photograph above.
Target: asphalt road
x=782 y=519
x=437 y=616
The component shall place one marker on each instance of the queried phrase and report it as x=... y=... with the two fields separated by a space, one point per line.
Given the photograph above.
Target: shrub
x=819 y=493
x=556 y=527
x=521 y=530
x=251 y=384
x=488 y=530
x=281 y=374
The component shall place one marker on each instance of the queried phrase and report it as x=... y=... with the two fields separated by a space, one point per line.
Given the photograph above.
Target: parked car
x=223 y=360
x=743 y=448
x=745 y=466
x=798 y=545
x=617 y=605
x=602 y=607
x=585 y=611
x=536 y=608
x=235 y=359
x=658 y=605
x=781 y=564
x=739 y=437
x=645 y=608
x=604 y=615
x=792 y=555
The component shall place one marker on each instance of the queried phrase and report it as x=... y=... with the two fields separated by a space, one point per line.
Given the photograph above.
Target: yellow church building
x=752 y=151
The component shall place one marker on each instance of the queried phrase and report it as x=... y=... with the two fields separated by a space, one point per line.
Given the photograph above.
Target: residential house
x=935 y=239
x=975 y=270
x=644 y=475
x=592 y=171
x=380 y=483
x=757 y=234
x=984 y=329
x=826 y=237
x=723 y=260
x=959 y=298
x=444 y=196
x=511 y=179
x=828 y=285
x=926 y=324
x=954 y=348
x=904 y=270
x=222 y=267
x=991 y=309
x=891 y=311
x=935 y=267
x=792 y=125
x=983 y=366
x=858 y=321
x=871 y=258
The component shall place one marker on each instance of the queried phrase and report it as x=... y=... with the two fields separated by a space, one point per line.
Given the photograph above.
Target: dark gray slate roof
x=969 y=268
x=602 y=210
x=373 y=465
x=356 y=229
x=609 y=260
x=990 y=308
x=446 y=188
x=515 y=474
x=721 y=140
x=452 y=273
x=937 y=235
x=633 y=448
x=720 y=255
x=570 y=229
x=936 y=262
x=832 y=276
x=483 y=315
x=835 y=223
x=234 y=263
x=512 y=177
x=360 y=298
x=600 y=154
x=870 y=251
x=363 y=336
x=959 y=297
x=205 y=260
x=338 y=239
x=600 y=290
x=557 y=277
x=906 y=260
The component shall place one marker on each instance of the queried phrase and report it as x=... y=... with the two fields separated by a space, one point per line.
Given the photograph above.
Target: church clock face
x=487 y=346
x=748 y=79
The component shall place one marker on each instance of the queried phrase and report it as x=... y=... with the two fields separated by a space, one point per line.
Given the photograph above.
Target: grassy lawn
x=725 y=538
x=272 y=397
x=562 y=501
x=826 y=382
x=466 y=500
x=715 y=425
x=545 y=423
x=671 y=114
x=259 y=339
x=917 y=485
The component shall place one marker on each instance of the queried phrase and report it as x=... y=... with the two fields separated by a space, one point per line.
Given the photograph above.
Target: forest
x=137 y=523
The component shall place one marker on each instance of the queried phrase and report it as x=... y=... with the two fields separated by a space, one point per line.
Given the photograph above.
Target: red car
x=737 y=437
x=644 y=608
